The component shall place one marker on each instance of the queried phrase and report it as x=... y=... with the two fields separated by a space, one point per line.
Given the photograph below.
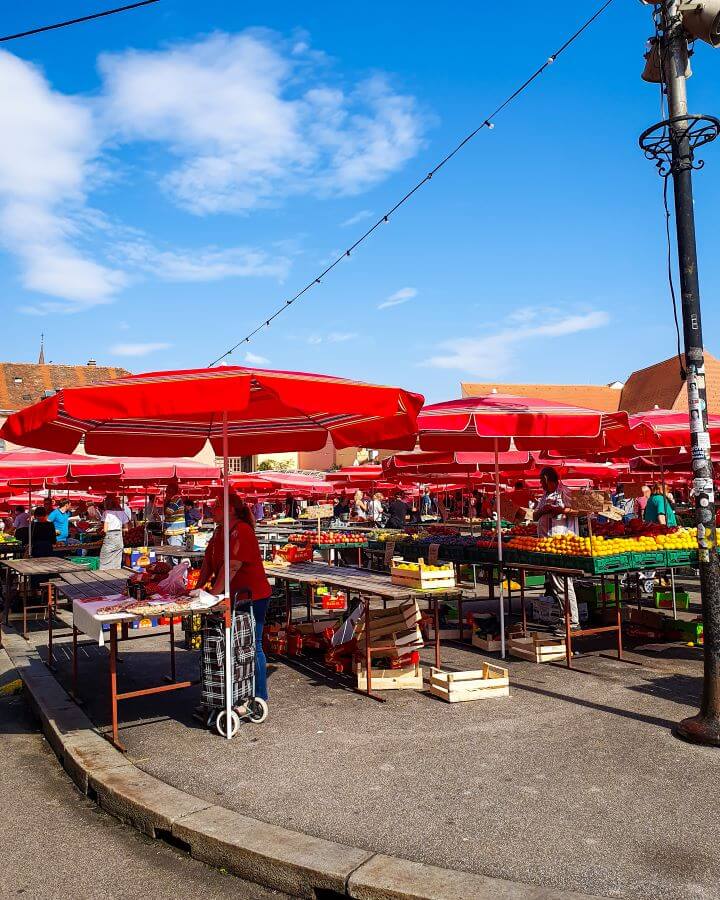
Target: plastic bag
x=175 y=585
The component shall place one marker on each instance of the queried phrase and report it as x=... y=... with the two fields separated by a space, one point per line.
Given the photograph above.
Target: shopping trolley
x=228 y=670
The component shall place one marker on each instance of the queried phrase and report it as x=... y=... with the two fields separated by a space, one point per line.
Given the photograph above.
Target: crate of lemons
x=422 y=576
x=598 y=545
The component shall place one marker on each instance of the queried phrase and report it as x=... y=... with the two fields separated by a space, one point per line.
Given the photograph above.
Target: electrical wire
x=486 y=123
x=661 y=60
x=99 y=15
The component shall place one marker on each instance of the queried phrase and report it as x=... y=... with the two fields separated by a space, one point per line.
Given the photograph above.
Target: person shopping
x=554 y=515
x=247 y=574
x=660 y=508
x=114 y=519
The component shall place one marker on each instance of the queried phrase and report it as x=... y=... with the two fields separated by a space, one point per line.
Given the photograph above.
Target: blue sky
x=169 y=176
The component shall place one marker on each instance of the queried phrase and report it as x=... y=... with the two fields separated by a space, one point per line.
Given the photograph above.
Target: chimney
x=92 y=362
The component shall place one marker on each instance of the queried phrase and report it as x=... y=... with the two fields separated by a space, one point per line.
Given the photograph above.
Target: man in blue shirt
x=60 y=519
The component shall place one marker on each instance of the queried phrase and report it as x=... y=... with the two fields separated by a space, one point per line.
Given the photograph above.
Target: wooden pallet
x=480 y=684
x=489 y=645
x=537 y=649
x=410 y=679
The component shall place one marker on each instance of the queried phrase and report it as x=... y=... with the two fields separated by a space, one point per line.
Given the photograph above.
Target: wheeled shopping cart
x=228 y=671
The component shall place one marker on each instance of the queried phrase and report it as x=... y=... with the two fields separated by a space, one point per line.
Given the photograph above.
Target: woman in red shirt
x=247 y=574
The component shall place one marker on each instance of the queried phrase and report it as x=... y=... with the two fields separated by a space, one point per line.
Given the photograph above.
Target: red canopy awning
x=501 y=421
x=18 y=466
x=175 y=413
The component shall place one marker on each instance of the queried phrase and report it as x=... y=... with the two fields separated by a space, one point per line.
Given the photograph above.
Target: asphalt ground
x=574 y=782
x=60 y=845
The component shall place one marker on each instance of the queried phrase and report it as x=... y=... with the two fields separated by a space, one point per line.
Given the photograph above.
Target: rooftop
x=22 y=384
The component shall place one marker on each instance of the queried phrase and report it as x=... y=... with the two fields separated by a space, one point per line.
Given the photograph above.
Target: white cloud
x=401 y=296
x=46 y=162
x=243 y=120
x=254 y=360
x=491 y=356
x=204 y=264
x=360 y=216
x=139 y=349
x=334 y=337
x=250 y=121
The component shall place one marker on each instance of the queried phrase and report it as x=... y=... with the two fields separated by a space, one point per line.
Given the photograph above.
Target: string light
x=486 y=123
x=89 y=18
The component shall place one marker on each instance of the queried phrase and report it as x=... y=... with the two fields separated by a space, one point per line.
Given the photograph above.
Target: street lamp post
x=672 y=144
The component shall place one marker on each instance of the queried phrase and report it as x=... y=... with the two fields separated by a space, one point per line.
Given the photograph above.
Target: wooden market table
x=90 y=591
x=366 y=584
x=26 y=569
x=165 y=550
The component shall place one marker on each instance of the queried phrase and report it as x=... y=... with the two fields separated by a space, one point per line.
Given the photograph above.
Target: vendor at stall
x=174 y=515
x=247 y=574
x=660 y=508
x=115 y=518
x=398 y=511
x=555 y=515
x=22 y=518
x=60 y=518
x=43 y=533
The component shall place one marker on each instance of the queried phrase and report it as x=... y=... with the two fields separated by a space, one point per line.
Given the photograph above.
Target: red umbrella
x=358 y=473
x=20 y=466
x=497 y=421
x=175 y=413
x=138 y=469
x=240 y=411
x=443 y=462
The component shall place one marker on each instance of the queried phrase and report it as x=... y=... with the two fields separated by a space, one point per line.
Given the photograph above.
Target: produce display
x=326 y=537
x=607 y=545
x=7 y=538
x=416 y=567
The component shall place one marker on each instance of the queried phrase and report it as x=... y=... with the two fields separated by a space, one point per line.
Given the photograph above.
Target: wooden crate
x=446 y=634
x=480 y=684
x=537 y=649
x=489 y=645
x=423 y=579
x=410 y=678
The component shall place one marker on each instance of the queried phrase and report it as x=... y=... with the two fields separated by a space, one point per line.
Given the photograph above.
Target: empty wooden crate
x=480 y=684
x=409 y=678
x=538 y=648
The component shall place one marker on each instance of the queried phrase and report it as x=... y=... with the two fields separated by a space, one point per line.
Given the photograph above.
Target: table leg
x=619 y=617
x=26 y=583
x=74 y=663
x=288 y=604
x=368 y=655
x=508 y=575
x=639 y=592
x=437 y=632
x=50 y=625
x=172 y=651
x=602 y=596
x=461 y=618
x=113 y=687
x=491 y=582
x=674 y=598
x=568 y=636
x=522 y=602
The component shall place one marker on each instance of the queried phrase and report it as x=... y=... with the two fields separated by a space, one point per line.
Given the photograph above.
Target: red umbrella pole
x=226 y=566
x=500 y=552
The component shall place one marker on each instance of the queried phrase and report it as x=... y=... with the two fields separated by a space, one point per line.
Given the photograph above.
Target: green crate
x=682 y=557
x=592 y=594
x=89 y=562
x=663 y=599
x=651 y=559
x=688 y=631
x=603 y=565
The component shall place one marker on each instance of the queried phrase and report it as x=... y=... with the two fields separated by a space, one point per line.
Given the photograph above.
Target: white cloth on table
x=85 y=616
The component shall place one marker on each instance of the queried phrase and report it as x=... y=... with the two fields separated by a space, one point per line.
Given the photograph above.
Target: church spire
x=41 y=358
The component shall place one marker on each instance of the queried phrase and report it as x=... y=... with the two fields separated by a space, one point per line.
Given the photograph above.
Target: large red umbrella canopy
x=175 y=413
x=499 y=421
x=19 y=466
x=138 y=469
x=357 y=474
x=660 y=429
x=292 y=482
x=443 y=462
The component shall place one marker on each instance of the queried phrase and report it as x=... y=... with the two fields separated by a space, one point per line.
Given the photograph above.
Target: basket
x=88 y=562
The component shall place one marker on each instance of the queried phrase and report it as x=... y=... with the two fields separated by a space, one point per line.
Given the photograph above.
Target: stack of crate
x=394 y=635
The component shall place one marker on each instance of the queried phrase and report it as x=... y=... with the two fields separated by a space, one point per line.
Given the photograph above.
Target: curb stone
x=290 y=861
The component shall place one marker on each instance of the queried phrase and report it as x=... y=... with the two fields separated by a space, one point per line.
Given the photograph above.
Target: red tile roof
x=588 y=396
x=661 y=385
x=24 y=383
